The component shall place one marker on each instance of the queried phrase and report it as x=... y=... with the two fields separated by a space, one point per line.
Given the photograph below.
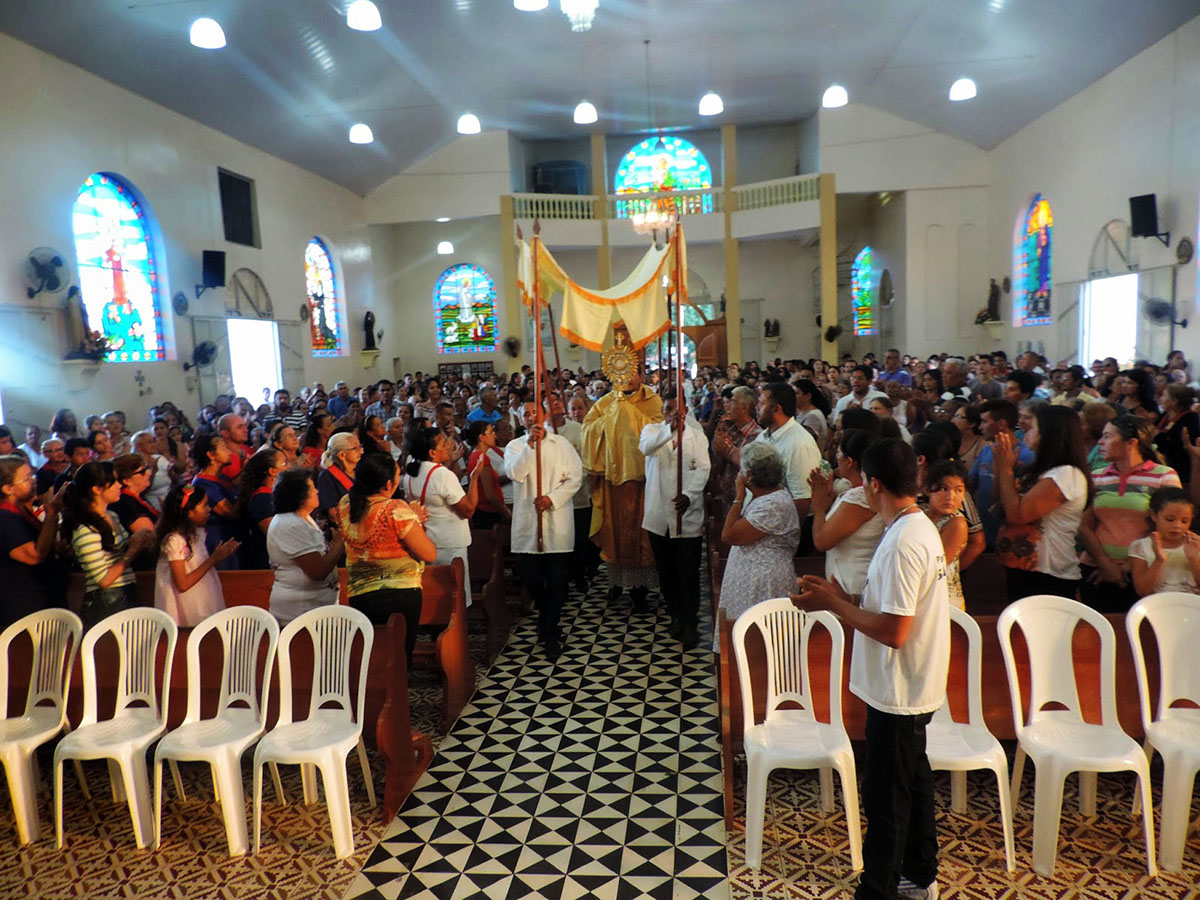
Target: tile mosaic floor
x=595 y=776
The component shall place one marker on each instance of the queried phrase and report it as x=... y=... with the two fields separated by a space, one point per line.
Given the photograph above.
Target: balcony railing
x=584 y=207
x=781 y=191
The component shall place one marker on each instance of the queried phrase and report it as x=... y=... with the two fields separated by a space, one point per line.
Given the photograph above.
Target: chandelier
x=653 y=214
x=580 y=13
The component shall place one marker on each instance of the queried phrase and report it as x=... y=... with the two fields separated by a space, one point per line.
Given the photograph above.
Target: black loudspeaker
x=212 y=269
x=1143 y=215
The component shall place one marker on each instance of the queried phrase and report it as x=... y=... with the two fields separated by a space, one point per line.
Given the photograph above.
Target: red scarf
x=342 y=478
x=23 y=511
x=150 y=510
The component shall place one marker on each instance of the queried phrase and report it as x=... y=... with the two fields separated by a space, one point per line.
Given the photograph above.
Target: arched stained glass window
x=118 y=274
x=326 y=311
x=464 y=310
x=1032 y=245
x=663 y=164
x=862 y=292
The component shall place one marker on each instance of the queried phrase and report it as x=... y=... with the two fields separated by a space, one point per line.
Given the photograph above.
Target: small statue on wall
x=991 y=312
x=369 y=331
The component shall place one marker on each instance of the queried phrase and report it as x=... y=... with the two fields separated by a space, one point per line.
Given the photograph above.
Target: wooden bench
x=486 y=561
x=997 y=708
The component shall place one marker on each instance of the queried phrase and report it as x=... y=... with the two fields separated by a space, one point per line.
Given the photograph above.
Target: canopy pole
x=679 y=401
x=538 y=371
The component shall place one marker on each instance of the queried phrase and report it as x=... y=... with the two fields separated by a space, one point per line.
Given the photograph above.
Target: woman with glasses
x=341 y=456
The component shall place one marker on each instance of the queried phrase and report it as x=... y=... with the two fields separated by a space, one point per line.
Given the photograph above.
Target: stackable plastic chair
x=793 y=738
x=327 y=736
x=55 y=635
x=221 y=740
x=124 y=738
x=1059 y=741
x=961 y=747
x=1173 y=731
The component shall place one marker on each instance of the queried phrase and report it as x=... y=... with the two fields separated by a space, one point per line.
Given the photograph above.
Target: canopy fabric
x=640 y=300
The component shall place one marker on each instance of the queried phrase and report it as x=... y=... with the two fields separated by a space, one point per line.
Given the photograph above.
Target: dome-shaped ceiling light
x=585 y=114
x=835 y=96
x=711 y=104
x=468 y=123
x=580 y=13
x=963 y=89
x=445 y=248
x=363 y=15
x=361 y=134
x=530 y=5
x=206 y=34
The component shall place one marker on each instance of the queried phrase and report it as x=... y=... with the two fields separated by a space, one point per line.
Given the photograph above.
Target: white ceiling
x=294 y=78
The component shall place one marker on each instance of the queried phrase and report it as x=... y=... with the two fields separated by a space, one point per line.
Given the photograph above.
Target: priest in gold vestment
x=617 y=468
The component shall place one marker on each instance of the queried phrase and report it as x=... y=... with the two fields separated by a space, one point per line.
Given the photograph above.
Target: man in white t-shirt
x=899 y=665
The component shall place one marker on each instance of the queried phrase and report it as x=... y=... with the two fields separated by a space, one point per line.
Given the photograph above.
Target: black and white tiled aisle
x=596 y=776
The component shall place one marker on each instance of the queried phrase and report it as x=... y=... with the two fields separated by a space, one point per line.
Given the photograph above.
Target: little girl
x=946 y=485
x=1169 y=558
x=186 y=585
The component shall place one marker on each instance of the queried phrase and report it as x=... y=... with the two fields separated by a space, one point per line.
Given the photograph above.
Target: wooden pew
x=486 y=561
x=444 y=605
x=997 y=708
x=406 y=753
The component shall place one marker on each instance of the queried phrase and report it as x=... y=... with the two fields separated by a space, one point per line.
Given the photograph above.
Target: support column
x=600 y=189
x=733 y=293
x=829 y=287
x=508 y=272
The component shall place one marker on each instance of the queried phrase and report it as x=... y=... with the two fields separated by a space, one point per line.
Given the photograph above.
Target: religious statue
x=617 y=469
x=369 y=331
x=991 y=312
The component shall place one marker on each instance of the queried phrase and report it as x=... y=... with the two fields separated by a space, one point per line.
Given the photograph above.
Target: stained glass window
x=326 y=314
x=464 y=310
x=117 y=272
x=1032 y=244
x=862 y=292
x=664 y=164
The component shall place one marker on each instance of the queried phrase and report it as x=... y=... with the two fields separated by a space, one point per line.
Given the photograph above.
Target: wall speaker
x=212 y=268
x=1143 y=215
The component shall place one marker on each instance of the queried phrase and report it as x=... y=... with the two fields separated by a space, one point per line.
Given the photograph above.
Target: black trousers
x=1106 y=597
x=586 y=558
x=378 y=606
x=1027 y=584
x=545 y=575
x=678 y=563
x=897 y=797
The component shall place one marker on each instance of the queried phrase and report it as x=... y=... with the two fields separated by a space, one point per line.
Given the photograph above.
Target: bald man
x=235 y=436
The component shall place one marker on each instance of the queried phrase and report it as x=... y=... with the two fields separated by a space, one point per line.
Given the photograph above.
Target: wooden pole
x=538 y=371
x=554 y=336
x=679 y=401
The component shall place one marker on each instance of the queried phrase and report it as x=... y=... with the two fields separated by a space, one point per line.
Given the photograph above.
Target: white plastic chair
x=1059 y=741
x=55 y=635
x=239 y=721
x=793 y=738
x=961 y=747
x=1173 y=731
x=327 y=736
x=139 y=717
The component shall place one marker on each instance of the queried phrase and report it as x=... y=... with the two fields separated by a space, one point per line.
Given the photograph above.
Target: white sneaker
x=906 y=890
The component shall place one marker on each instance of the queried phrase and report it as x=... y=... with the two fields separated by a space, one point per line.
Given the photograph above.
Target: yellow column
x=600 y=189
x=508 y=272
x=829 y=307
x=733 y=294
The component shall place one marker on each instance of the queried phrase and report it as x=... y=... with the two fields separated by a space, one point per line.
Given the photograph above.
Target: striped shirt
x=95 y=560
x=1122 y=504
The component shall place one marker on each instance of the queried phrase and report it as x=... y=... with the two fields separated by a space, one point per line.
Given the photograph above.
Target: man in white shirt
x=544 y=569
x=32 y=448
x=677 y=551
x=861 y=393
x=899 y=665
x=585 y=560
x=776 y=413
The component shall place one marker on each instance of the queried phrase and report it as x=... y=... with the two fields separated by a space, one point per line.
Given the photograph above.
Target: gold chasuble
x=610 y=436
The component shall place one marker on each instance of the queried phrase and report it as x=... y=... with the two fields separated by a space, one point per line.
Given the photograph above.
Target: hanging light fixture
x=963 y=89
x=363 y=15
x=468 y=123
x=530 y=5
x=711 y=104
x=206 y=34
x=445 y=248
x=585 y=114
x=835 y=96
x=651 y=214
x=580 y=13
x=361 y=134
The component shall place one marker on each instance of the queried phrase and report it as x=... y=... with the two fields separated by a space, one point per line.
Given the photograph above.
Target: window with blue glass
x=661 y=164
x=326 y=312
x=1032 y=245
x=118 y=274
x=464 y=310
x=862 y=292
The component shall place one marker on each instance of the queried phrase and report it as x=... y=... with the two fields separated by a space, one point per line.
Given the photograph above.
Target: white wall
x=58 y=124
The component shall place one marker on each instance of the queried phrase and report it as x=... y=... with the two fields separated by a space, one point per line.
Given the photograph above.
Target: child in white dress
x=186 y=586
x=1169 y=558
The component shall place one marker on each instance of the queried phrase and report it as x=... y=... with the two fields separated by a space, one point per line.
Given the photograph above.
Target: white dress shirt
x=798 y=450
x=864 y=403
x=36 y=459
x=658 y=444
x=573 y=432
x=562 y=471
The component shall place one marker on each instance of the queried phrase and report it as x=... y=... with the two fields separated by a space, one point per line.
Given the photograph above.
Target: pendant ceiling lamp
x=445 y=248
x=361 y=134
x=963 y=89
x=580 y=13
x=530 y=5
x=468 y=123
x=363 y=15
x=651 y=214
x=711 y=104
x=835 y=96
x=585 y=114
x=206 y=34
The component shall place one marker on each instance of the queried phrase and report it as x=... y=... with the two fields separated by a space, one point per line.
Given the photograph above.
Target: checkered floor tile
x=596 y=776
